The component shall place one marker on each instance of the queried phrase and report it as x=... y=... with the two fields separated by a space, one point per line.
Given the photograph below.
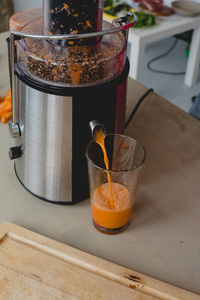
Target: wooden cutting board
x=35 y=267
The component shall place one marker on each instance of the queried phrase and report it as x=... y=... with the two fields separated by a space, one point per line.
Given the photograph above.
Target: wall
x=19 y=5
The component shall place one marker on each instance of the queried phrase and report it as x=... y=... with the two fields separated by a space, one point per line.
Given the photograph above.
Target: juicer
x=68 y=66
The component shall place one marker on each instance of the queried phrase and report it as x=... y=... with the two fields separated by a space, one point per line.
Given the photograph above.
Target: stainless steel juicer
x=68 y=66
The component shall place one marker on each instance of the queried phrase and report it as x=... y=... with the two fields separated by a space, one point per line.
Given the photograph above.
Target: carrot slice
x=9 y=92
x=6 y=117
x=7 y=98
x=7 y=107
x=1 y=107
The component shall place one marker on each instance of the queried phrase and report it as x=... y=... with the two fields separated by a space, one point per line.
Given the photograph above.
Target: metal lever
x=14 y=130
x=13 y=126
x=126 y=20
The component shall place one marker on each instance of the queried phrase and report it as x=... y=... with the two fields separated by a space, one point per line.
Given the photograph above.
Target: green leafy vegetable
x=108 y=3
x=114 y=9
x=145 y=20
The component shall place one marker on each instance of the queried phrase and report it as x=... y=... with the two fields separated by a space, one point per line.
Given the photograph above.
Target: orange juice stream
x=99 y=138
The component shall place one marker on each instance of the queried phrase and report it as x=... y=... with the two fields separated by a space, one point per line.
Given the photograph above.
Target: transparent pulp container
x=48 y=60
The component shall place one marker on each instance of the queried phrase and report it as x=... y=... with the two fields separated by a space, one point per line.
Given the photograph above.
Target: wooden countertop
x=162 y=240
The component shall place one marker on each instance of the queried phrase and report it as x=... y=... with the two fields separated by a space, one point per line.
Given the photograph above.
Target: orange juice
x=99 y=138
x=111 y=205
x=115 y=217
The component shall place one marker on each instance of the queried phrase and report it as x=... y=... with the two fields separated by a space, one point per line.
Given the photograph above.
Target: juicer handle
x=13 y=126
x=118 y=26
x=126 y=20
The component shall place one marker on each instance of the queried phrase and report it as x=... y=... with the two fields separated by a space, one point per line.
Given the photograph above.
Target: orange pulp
x=116 y=217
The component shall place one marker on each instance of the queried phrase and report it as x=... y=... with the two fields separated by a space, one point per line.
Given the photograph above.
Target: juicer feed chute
x=73 y=17
x=63 y=75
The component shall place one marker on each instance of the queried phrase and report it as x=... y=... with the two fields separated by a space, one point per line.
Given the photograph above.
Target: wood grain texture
x=37 y=267
x=20 y=19
x=171 y=139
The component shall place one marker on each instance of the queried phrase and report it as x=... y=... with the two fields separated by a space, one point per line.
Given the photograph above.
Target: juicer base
x=42 y=198
x=54 y=128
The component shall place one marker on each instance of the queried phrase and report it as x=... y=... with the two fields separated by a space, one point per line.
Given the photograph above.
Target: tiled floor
x=169 y=86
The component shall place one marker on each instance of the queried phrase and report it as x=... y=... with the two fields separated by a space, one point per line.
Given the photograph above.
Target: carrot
x=6 y=117
x=9 y=92
x=7 y=99
x=1 y=107
x=1 y=99
x=7 y=107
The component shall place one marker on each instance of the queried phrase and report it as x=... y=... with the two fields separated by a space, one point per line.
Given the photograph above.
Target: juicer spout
x=96 y=125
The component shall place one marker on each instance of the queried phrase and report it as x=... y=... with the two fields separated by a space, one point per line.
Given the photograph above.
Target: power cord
x=186 y=36
x=137 y=106
x=161 y=56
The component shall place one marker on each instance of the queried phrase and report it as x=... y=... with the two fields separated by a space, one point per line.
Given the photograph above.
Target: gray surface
x=171 y=87
x=151 y=245
x=150 y=248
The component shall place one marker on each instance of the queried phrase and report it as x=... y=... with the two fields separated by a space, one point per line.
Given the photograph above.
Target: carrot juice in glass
x=114 y=167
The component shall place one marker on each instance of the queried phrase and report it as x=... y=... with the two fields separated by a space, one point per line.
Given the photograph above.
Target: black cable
x=158 y=71
x=137 y=106
x=161 y=56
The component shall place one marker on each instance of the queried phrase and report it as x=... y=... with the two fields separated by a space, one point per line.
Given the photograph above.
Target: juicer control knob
x=14 y=130
x=15 y=152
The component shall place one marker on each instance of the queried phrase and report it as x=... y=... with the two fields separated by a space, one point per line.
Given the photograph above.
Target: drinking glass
x=126 y=158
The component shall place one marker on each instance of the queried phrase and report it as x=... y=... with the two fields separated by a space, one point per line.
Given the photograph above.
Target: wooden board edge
x=95 y=265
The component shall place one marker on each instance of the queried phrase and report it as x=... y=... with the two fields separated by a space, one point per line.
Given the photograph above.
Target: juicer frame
x=17 y=35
